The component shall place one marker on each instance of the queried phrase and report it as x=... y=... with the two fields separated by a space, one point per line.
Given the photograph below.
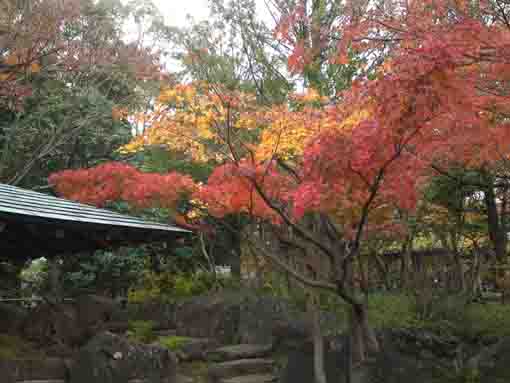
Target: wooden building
x=35 y=225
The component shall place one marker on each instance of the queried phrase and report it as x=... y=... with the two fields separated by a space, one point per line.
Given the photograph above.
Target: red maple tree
x=115 y=181
x=440 y=98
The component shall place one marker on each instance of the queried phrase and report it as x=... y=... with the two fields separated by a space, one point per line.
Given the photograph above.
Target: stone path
x=43 y=381
x=241 y=363
x=244 y=363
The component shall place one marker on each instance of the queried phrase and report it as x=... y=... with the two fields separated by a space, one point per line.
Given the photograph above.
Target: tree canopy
x=400 y=131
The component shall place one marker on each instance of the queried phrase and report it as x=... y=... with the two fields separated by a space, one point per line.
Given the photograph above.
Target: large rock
x=33 y=370
x=256 y=378
x=299 y=367
x=241 y=367
x=240 y=351
x=53 y=324
x=110 y=358
x=196 y=349
x=93 y=311
x=492 y=362
x=215 y=316
x=71 y=325
x=267 y=320
x=405 y=356
x=12 y=318
x=241 y=318
x=162 y=314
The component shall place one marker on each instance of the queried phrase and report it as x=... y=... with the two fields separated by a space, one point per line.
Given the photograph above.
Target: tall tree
x=67 y=79
x=438 y=100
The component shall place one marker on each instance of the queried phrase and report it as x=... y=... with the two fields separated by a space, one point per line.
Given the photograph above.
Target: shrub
x=485 y=320
x=154 y=286
x=141 y=331
x=393 y=311
x=171 y=287
x=173 y=343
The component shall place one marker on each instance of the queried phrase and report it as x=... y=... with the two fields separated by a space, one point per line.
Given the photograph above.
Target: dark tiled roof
x=18 y=201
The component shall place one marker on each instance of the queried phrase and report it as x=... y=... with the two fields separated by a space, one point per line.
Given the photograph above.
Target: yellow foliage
x=289 y=130
x=189 y=117
x=35 y=67
x=192 y=118
x=286 y=136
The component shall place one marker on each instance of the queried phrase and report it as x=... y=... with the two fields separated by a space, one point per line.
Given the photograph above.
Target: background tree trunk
x=318 y=339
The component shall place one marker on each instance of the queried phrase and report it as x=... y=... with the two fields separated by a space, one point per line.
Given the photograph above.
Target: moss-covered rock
x=13 y=347
x=109 y=358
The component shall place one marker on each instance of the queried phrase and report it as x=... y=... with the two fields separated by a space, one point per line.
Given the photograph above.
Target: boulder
x=50 y=324
x=93 y=310
x=240 y=351
x=405 y=356
x=299 y=367
x=257 y=378
x=241 y=367
x=109 y=358
x=211 y=316
x=492 y=362
x=392 y=365
x=266 y=319
x=162 y=314
x=240 y=317
x=33 y=369
x=12 y=318
x=184 y=379
x=69 y=325
x=196 y=349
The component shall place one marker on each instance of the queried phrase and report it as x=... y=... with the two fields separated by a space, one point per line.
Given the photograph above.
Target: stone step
x=166 y=332
x=42 y=381
x=239 y=351
x=263 y=378
x=194 y=349
x=117 y=327
x=34 y=369
x=183 y=379
x=240 y=367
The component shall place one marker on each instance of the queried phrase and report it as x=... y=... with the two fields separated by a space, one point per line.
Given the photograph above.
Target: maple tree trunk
x=363 y=272
x=362 y=340
x=357 y=345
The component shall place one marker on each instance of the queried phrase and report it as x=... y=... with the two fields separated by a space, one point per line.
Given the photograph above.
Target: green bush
x=485 y=320
x=393 y=311
x=141 y=331
x=449 y=314
x=171 y=287
x=153 y=286
x=173 y=343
